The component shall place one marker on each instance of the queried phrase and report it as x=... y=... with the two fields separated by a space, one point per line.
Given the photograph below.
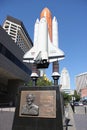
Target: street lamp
x=34 y=78
x=55 y=76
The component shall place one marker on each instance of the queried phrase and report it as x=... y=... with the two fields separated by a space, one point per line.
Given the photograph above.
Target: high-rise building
x=65 y=80
x=81 y=84
x=14 y=42
x=16 y=29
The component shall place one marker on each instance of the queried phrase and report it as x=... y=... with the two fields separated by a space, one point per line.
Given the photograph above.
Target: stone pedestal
x=44 y=113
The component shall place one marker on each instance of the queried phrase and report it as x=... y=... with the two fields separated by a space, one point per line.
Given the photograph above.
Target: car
x=80 y=104
x=76 y=103
x=85 y=102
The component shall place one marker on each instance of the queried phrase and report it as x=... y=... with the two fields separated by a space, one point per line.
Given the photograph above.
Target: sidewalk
x=7 y=115
x=71 y=117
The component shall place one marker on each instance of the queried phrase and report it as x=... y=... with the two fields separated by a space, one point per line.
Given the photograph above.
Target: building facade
x=16 y=29
x=81 y=84
x=13 y=72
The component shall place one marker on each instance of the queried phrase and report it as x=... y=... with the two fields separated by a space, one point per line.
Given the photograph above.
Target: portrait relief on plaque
x=30 y=108
x=38 y=104
x=28 y=105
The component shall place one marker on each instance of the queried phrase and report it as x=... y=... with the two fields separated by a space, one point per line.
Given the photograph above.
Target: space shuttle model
x=45 y=49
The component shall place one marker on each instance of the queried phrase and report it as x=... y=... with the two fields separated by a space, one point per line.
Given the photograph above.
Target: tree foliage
x=44 y=82
x=76 y=95
x=41 y=81
x=66 y=97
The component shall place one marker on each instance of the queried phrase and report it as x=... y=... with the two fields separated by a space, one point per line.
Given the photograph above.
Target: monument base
x=45 y=111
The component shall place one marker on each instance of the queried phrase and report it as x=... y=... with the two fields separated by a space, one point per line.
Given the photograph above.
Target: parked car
x=76 y=103
x=80 y=104
x=85 y=102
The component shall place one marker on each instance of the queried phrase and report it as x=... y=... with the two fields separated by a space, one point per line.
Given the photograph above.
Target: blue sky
x=72 y=21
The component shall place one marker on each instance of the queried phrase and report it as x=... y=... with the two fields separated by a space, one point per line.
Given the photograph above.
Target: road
x=80 y=117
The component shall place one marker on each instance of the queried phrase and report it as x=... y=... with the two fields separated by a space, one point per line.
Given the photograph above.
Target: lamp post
x=55 y=77
x=34 y=75
x=55 y=73
x=34 y=78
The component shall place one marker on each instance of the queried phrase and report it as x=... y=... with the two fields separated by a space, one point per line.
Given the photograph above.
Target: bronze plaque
x=44 y=104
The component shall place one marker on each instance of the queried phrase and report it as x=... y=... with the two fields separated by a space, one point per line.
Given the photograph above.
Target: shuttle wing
x=29 y=55
x=54 y=53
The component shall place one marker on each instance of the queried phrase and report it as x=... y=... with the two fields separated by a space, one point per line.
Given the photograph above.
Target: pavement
x=80 y=117
x=6 y=118
x=78 y=120
x=70 y=115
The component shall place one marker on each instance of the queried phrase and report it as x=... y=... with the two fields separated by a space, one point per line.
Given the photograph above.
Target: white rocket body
x=55 y=32
x=55 y=52
x=44 y=50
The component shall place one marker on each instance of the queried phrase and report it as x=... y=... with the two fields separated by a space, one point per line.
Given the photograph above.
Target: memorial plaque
x=44 y=100
x=38 y=108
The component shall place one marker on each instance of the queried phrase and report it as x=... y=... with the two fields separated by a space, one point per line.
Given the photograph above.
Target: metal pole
x=55 y=78
x=55 y=73
x=34 y=74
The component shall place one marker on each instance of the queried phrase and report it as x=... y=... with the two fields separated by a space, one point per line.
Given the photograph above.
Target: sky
x=72 y=27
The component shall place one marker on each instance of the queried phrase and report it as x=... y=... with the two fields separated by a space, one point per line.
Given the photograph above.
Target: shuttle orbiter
x=45 y=49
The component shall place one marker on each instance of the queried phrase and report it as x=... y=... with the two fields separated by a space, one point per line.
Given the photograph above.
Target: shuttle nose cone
x=47 y=14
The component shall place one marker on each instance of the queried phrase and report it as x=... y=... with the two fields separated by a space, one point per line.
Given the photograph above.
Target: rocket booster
x=36 y=29
x=45 y=49
x=55 y=32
